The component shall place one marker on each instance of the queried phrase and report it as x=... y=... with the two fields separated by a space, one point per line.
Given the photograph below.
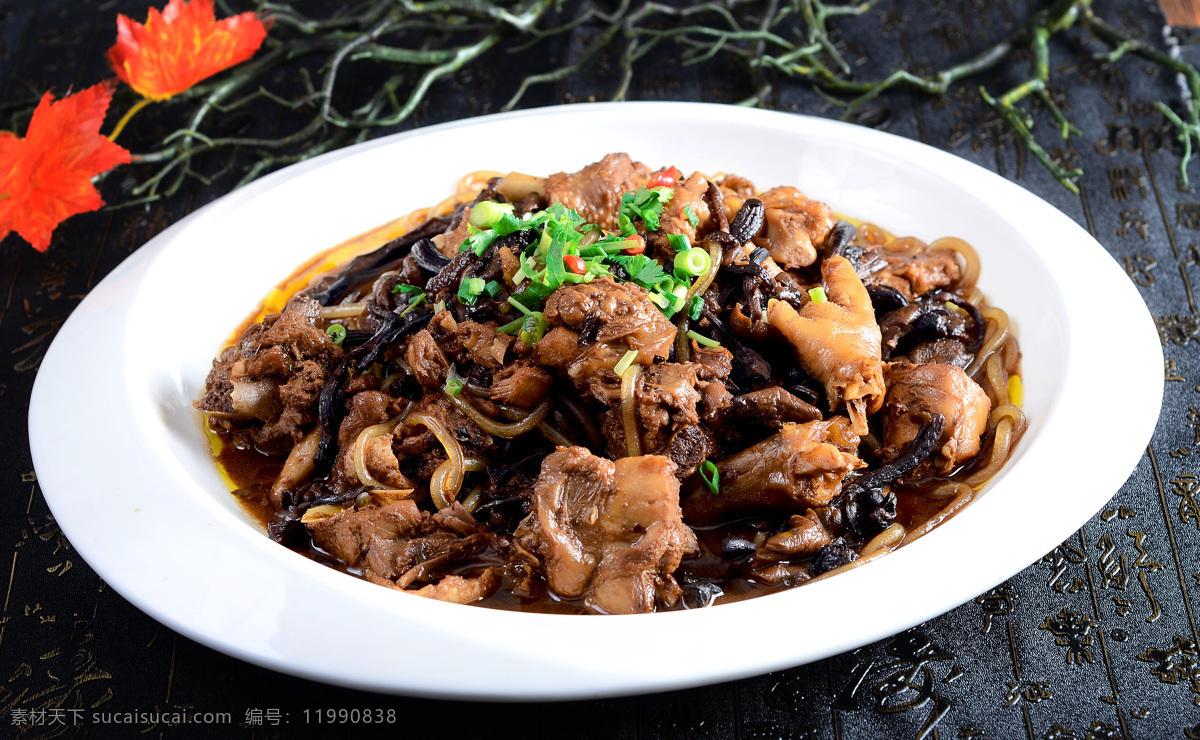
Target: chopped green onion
x=703 y=340
x=626 y=225
x=336 y=332
x=625 y=361
x=694 y=262
x=519 y=306
x=692 y=218
x=492 y=288
x=439 y=307
x=512 y=328
x=534 y=328
x=679 y=242
x=486 y=213
x=406 y=288
x=711 y=476
x=817 y=295
x=469 y=289
x=696 y=307
x=454 y=386
x=413 y=304
x=955 y=308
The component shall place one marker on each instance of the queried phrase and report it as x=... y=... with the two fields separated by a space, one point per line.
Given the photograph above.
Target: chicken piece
x=427 y=360
x=838 y=341
x=916 y=393
x=772 y=407
x=609 y=532
x=266 y=386
x=916 y=275
x=459 y=590
x=483 y=345
x=366 y=409
x=738 y=185
x=687 y=196
x=799 y=467
x=521 y=383
x=611 y=318
x=381 y=463
x=350 y=535
x=795 y=226
x=596 y=190
x=804 y=536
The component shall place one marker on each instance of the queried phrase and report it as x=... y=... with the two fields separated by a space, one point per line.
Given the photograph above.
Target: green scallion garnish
x=817 y=295
x=486 y=213
x=692 y=218
x=625 y=361
x=711 y=476
x=693 y=262
x=679 y=242
x=703 y=340
x=469 y=289
x=337 y=333
x=454 y=386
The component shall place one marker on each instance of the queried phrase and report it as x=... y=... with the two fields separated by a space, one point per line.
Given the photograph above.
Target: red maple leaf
x=46 y=177
x=181 y=46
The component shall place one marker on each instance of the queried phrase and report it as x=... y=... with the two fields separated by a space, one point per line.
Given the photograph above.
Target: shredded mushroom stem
x=1009 y=421
x=551 y=433
x=347 y=311
x=851 y=565
x=886 y=541
x=447 y=479
x=705 y=280
x=633 y=442
x=491 y=426
x=970 y=257
x=358 y=453
x=997 y=334
x=962 y=495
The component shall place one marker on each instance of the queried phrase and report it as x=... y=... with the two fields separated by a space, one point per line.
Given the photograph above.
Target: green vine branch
x=414 y=48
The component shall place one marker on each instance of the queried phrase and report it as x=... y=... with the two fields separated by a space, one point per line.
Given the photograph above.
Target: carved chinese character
x=1169 y=370
x=1122 y=178
x=1185 y=486
x=1133 y=221
x=1175 y=664
x=1114 y=571
x=1138 y=267
x=903 y=682
x=1059 y=558
x=1176 y=329
x=996 y=602
x=1071 y=631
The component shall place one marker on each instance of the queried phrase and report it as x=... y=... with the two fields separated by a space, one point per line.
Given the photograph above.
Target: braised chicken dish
x=618 y=390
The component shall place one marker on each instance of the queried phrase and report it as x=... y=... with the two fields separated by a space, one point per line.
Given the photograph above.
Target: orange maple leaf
x=46 y=177
x=181 y=46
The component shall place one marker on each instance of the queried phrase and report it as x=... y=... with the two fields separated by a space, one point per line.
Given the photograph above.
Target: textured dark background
x=1096 y=640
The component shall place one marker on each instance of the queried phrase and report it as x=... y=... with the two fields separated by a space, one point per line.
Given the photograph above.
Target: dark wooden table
x=1096 y=640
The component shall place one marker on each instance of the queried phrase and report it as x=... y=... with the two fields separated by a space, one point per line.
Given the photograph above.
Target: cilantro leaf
x=642 y=270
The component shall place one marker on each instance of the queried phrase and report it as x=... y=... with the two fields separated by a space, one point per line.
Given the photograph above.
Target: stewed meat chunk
x=610 y=533
x=609 y=319
x=799 y=467
x=838 y=341
x=596 y=190
x=916 y=393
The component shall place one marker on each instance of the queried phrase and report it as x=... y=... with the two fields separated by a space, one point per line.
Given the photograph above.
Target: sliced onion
x=556 y=437
x=491 y=426
x=447 y=479
x=358 y=451
x=343 y=312
x=633 y=441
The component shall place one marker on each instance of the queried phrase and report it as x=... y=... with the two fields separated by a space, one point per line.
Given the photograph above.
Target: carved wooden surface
x=1096 y=640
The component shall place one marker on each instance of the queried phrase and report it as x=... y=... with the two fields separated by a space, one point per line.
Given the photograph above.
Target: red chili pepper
x=664 y=178
x=639 y=244
x=574 y=264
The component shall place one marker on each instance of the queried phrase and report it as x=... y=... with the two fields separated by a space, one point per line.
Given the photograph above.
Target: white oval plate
x=131 y=483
